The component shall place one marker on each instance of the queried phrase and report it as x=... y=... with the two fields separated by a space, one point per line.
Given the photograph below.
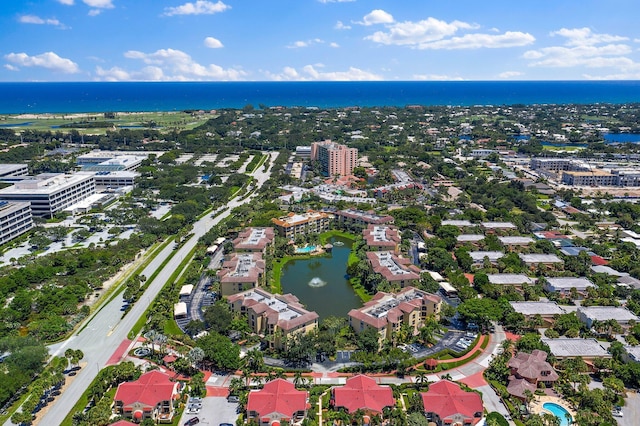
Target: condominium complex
x=382 y=237
x=254 y=240
x=49 y=194
x=280 y=316
x=335 y=159
x=300 y=224
x=386 y=312
x=243 y=271
x=361 y=217
x=393 y=268
x=15 y=220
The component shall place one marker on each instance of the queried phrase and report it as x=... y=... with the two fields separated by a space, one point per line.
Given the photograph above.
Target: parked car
x=192 y=421
x=233 y=398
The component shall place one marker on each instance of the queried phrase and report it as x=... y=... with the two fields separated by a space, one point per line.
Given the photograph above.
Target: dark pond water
x=321 y=283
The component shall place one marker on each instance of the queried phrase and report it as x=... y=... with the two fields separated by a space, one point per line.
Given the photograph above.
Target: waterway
x=321 y=282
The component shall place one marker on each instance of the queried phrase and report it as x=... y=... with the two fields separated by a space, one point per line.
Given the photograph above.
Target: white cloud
x=213 y=43
x=510 y=74
x=583 y=48
x=311 y=73
x=169 y=65
x=33 y=19
x=200 y=7
x=11 y=67
x=414 y=33
x=436 y=77
x=302 y=43
x=334 y=45
x=377 y=16
x=619 y=76
x=477 y=41
x=341 y=26
x=100 y=4
x=335 y=1
x=66 y=2
x=94 y=12
x=584 y=37
x=47 y=60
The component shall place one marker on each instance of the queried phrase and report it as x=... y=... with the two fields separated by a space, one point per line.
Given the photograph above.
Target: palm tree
x=298 y=379
x=421 y=378
x=196 y=355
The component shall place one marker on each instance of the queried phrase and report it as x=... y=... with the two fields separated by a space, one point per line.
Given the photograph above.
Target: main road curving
x=106 y=330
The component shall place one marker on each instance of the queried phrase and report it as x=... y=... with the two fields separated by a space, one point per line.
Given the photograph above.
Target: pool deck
x=536 y=405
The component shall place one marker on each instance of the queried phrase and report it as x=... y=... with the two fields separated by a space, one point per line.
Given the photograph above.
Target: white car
x=617 y=413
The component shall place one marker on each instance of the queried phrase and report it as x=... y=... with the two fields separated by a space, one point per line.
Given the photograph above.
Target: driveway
x=630 y=411
x=215 y=410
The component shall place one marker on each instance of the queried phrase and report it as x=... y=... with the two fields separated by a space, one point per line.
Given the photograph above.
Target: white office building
x=49 y=194
x=15 y=220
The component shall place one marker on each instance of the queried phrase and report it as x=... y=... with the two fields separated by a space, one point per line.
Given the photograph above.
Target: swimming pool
x=307 y=249
x=560 y=412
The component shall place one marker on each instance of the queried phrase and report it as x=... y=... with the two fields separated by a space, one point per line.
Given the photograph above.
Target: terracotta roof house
x=149 y=397
x=277 y=315
x=533 y=368
x=254 y=239
x=362 y=393
x=123 y=423
x=386 y=312
x=393 y=268
x=445 y=403
x=278 y=400
x=382 y=237
x=243 y=271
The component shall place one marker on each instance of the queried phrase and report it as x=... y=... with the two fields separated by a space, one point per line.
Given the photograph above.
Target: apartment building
x=393 y=268
x=294 y=224
x=243 y=271
x=361 y=218
x=382 y=238
x=386 y=312
x=279 y=316
x=254 y=240
x=335 y=159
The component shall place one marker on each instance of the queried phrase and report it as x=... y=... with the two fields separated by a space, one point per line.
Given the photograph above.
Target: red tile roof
x=149 y=390
x=362 y=392
x=598 y=260
x=447 y=399
x=123 y=423
x=277 y=396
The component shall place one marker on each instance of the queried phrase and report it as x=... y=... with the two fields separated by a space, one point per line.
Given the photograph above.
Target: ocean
x=17 y=98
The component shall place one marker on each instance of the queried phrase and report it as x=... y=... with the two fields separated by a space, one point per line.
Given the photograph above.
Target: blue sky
x=257 y=40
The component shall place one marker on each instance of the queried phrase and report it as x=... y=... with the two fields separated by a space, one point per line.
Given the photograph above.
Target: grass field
x=164 y=121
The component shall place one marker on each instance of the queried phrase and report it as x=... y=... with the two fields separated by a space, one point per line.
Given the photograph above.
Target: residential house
x=277 y=401
x=528 y=371
x=152 y=396
x=362 y=393
x=446 y=403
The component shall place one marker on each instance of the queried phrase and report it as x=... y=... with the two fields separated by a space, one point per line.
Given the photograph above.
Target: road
x=107 y=330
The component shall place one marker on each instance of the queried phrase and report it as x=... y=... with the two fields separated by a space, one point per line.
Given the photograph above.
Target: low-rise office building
x=243 y=271
x=49 y=194
x=15 y=220
x=532 y=260
x=279 y=316
x=386 y=312
x=591 y=315
x=563 y=285
x=479 y=257
x=546 y=310
x=13 y=170
x=587 y=349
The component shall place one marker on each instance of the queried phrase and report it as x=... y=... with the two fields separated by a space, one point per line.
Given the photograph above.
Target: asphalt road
x=106 y=330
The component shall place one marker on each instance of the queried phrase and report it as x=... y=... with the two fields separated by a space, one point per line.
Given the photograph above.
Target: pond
x=321 y=282
x=611 y=138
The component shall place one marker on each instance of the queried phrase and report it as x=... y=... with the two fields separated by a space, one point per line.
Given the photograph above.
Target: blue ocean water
x=169 y=96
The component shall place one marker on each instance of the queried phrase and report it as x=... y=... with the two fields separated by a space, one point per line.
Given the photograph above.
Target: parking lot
x=213 y=411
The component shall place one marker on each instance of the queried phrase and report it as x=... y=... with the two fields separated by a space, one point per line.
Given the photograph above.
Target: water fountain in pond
x=317 y=282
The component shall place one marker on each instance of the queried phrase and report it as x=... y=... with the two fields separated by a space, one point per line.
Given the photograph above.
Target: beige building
x=294 y=224
x=279 y=316
x=254 y=240
x=382 y=237
x=243 y=271
x=393 y=268
x=335 y=159
x=386 y=312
